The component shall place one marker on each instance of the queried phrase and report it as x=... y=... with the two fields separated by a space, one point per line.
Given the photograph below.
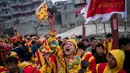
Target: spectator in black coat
x=99 y=55
x=60 y=41
x=124 y=44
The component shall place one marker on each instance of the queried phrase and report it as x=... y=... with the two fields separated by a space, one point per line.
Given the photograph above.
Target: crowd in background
x=51 y=54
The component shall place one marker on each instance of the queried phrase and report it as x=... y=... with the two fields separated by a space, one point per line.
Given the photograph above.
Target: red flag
x=78 y=11
x=102 y=9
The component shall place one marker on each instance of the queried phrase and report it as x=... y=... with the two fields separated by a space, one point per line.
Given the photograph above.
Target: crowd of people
x=51 y=54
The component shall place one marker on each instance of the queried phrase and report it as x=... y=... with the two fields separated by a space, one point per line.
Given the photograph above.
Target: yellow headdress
x=74 y=42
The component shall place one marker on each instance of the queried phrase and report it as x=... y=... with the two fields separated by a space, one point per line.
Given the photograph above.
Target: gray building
x=68 y=15
x=13 y=9
x=21 y=13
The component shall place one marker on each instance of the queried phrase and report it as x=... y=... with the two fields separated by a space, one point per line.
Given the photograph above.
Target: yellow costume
x=54 y=46
x=50 y=65
x=39 y=58
x=119 y=56
x=69 y=65
x=72 y=66
x=25 y=64
x=2 y=69
x=108 y=45
x=45 y=47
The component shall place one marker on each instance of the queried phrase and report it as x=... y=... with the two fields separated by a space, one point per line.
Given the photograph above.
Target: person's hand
x=47 y=55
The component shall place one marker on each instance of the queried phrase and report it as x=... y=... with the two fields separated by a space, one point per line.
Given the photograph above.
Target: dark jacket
x=126 y=66
x=20 y=71
x=100 y=59
x=34 y=48
x=19 y=51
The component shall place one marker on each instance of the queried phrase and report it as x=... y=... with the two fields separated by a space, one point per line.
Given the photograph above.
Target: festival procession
x=72 y=52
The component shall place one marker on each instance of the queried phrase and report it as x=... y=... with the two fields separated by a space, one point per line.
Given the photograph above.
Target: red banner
x=78 y=11
x=103 y=7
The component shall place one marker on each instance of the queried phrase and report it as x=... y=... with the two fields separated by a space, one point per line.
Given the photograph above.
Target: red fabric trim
x=38 y=55
x=121 y=71
x=88 y=56
x=53 y=58
x=3 y=69
x=93 y=66
x=28 y=66
x=92 y=63
x=101 y=67
x=30 y=69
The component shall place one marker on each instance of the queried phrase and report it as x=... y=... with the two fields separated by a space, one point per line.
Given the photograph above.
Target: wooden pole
x=125 y=29
x=125 y=20
x=104 y=29
x=83 y=32
x=96 y=28
x=114 y=28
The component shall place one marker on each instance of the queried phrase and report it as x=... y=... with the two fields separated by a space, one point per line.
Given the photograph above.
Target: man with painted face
x=115 y=63
x=68 y=62
x=71 y=62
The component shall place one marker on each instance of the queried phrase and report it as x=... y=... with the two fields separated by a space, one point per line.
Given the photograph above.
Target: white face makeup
x=69 y=48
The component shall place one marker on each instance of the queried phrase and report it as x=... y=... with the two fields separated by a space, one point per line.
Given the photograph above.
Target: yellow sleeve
x=104 y=44
x=3 y=72
x=54 y=67
x=97 y=68
x=88 y=72
x=105 y=47
x=23 y=65
x=45 y=69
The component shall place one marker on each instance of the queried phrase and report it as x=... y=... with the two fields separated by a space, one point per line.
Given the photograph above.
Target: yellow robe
x=108 y=45
x=2 y=69
x=119 y=56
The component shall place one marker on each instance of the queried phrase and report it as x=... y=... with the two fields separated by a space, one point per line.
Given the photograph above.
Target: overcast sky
x=58 y=0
